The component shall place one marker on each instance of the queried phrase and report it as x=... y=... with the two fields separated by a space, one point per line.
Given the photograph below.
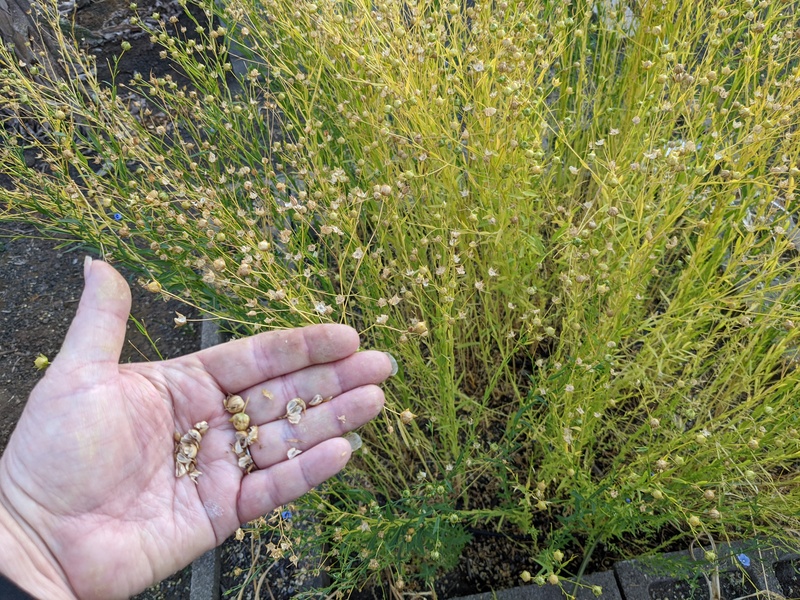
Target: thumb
x=97 y=332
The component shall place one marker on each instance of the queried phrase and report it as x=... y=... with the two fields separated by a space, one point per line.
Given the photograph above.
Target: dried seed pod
x=192 y=436
x=186 y=448
x=252 y=434
x=246 y=462
x=234 y=404
x=241 y=421
x=317 y=399
x=176 y=435
x=295 y=405
x=294 y=418
x=420 y=328
x=407 y=416
x=293 y=452
x=189 y=450
x=239 y=447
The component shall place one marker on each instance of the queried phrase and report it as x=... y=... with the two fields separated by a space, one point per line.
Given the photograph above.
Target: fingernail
x=354 y=439
x=87 y=266
x=395 y=367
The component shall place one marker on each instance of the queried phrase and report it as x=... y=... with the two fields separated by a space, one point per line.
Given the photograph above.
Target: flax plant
x=573 y=223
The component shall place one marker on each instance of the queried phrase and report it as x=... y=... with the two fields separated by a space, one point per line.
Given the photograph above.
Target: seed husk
x=189 y=450
x=295 y=405
x=192 y=436
x=252 y=434
x=293 y=452
x=234 y=404
x=246 y=462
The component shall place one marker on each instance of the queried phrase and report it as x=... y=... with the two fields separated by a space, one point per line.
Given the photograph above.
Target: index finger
x=246 y=362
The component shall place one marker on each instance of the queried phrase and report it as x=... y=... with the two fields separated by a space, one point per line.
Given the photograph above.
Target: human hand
x=89 y=503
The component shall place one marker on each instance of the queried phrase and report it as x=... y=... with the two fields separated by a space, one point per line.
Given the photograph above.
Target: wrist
x=25 y=559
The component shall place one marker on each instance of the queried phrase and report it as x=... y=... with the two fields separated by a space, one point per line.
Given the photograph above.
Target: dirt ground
x=40 y=286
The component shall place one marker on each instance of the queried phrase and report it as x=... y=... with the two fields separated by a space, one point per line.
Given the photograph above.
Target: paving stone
x=786 y=573
x=743 y=569
x=205 y=576
x=605 y=579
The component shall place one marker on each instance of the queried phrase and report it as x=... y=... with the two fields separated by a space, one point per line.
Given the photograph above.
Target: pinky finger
x=264 y=490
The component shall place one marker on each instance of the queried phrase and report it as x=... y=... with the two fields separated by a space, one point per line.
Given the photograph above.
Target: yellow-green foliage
x=571 y=224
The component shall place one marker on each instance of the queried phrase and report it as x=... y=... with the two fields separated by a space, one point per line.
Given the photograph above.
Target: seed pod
x=317 y=399
x=201 y=427
x=294 y=418
x=293 y=452
x=241 y=421
x=407 y=416
x=180 y=469
x=189 y=450
x=192 y=436
x=252 y=434
x=234 y=404
x=246 y=462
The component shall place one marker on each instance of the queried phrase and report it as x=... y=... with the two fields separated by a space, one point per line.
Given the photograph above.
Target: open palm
x=89 y=474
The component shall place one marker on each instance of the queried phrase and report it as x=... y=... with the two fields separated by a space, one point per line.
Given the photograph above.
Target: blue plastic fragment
x=744 y=559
